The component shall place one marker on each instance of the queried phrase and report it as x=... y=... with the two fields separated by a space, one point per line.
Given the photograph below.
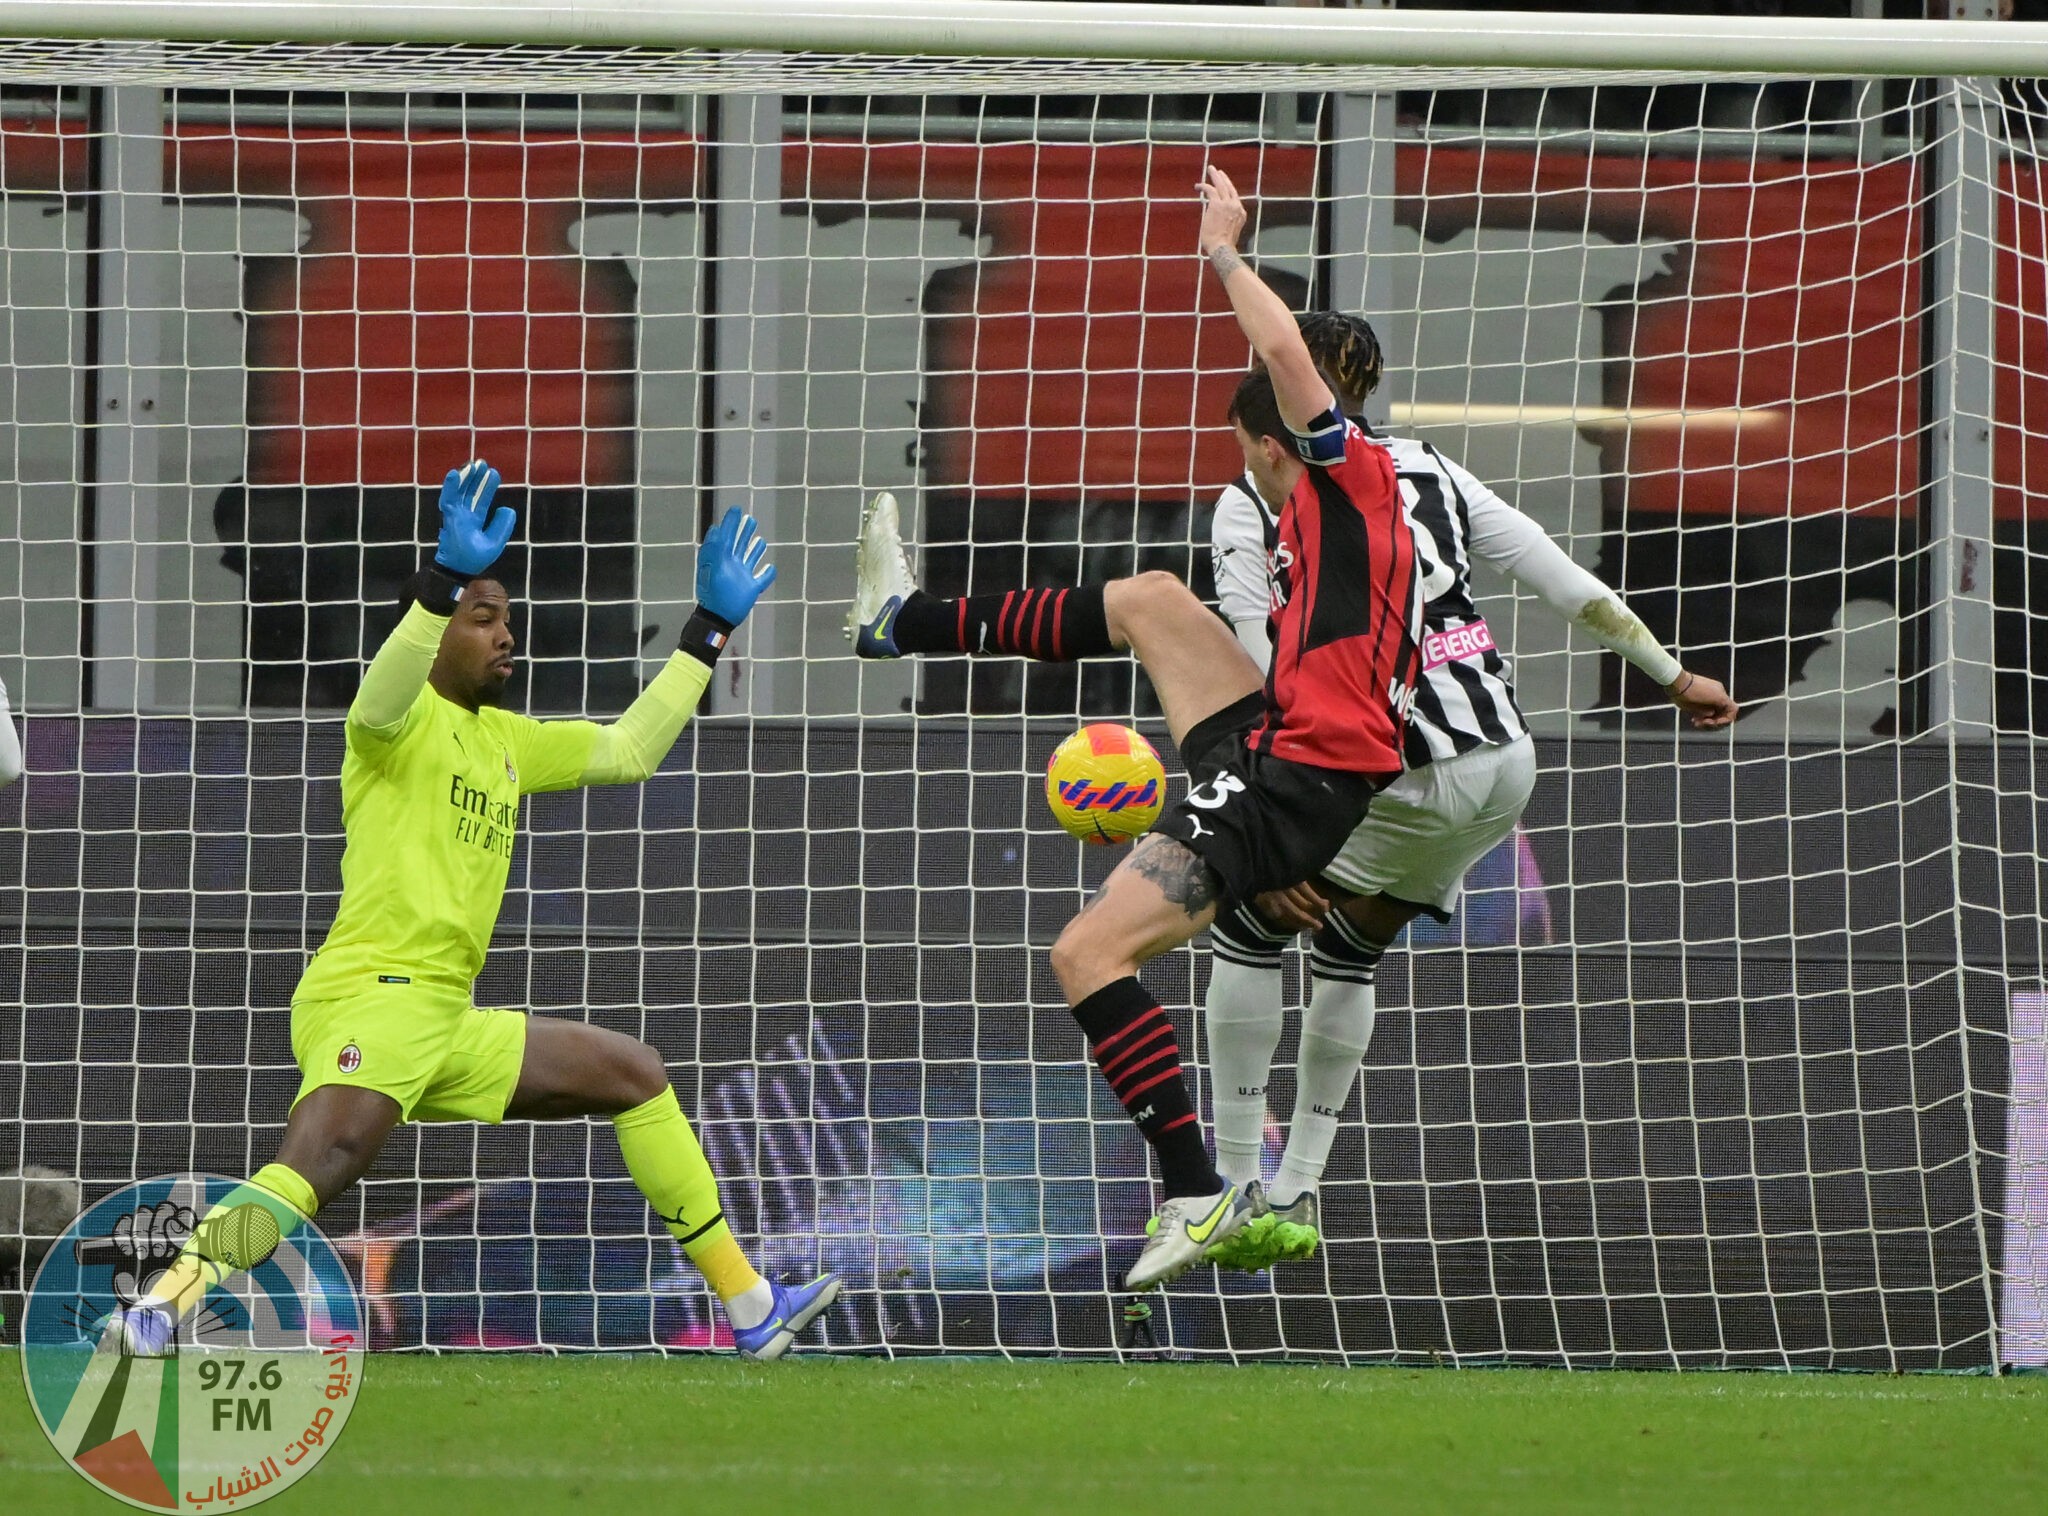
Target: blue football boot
x=139 y=1331
x=796 y=1307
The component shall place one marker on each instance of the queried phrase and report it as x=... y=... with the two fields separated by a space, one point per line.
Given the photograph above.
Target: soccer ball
x=1105 y=784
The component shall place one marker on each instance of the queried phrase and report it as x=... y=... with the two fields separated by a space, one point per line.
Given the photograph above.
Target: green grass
x=523 y=1436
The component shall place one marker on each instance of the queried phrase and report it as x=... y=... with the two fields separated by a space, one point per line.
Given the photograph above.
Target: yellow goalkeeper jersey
x=430 y=798
x=430 y=817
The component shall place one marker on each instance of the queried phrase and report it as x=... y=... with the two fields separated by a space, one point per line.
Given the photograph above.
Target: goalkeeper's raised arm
x=732 y=573
x=457 y=639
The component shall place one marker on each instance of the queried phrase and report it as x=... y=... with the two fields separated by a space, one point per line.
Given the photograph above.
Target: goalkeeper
x=382 y=1025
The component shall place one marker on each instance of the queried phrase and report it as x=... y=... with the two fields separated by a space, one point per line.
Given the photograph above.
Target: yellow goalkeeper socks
x=241 y=1231
x=663 y=1156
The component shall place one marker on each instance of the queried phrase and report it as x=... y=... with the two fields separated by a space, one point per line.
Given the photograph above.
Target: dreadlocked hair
x=1347 y=349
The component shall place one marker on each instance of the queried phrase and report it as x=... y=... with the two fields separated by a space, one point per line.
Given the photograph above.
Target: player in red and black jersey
x=1347 y=612
x=1281 y=775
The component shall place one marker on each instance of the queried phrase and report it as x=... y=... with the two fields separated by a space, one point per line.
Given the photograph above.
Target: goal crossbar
x=1056 y=29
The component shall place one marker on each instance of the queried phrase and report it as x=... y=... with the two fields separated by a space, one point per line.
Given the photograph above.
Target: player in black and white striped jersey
x=1465 y=699
x=1470 y=769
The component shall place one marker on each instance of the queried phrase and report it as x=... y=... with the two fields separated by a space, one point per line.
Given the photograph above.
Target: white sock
x=1242 y=1015
x=1336 y=1029
x=751 y=1306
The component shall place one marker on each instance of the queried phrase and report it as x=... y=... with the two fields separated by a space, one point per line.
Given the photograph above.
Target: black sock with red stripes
x=1057 y=626
x=1134 y=1046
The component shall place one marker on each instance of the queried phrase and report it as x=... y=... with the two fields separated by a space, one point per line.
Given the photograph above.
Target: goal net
x=1733 y=1056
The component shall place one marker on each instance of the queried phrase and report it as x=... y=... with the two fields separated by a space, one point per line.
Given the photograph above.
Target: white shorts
x=1427 y=828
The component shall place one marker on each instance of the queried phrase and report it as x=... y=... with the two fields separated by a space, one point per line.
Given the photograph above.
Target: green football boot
x=1250 y=1249
x=1297 y=1229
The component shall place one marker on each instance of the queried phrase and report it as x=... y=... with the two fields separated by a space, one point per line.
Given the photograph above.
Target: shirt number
x=1221 y=788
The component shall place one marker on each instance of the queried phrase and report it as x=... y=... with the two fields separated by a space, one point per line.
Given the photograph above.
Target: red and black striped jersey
x=1347 y=612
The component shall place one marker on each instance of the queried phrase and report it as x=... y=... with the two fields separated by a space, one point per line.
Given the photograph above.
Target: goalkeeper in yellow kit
x=382 y=1026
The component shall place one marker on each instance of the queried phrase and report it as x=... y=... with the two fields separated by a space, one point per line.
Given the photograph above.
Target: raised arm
x=472 y=537
x=732 y=573
x=1261 y=314
x=1510 y=541
x=392 y=683
x=10 y=742
x=631 y=748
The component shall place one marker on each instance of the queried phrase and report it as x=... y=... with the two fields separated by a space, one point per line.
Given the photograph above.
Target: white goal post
x=1733 y=1056
x=1786 y=46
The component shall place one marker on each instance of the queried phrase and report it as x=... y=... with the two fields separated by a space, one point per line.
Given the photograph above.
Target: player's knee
x=1158 y=591
x=641 y=1074
x=1081 y=962
x=1068 y=955
x=1144 y=597
x=1157 y=583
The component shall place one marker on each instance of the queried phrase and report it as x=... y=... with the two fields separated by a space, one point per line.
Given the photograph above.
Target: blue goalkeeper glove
x=733 y=572
x=732 y=568
x=472 y=535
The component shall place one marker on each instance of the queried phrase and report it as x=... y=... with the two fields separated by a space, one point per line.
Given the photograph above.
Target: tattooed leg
x=1182 y=877
x=1158 y=898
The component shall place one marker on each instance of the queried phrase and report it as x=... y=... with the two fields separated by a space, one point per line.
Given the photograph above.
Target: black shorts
x=1259 y=822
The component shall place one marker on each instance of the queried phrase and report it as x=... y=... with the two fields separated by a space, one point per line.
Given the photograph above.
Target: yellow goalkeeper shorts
x=429 y=1049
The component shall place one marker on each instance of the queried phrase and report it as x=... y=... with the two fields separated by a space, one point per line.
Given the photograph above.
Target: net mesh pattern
x=1731 y=1056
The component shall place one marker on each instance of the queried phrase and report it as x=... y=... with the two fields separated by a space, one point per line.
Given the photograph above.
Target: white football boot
x=1183 y=1229
x=882 y=581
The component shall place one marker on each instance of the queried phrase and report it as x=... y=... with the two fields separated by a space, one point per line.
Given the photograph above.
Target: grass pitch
x=831 y=1437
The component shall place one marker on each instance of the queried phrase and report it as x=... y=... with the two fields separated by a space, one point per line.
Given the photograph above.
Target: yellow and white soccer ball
x=1106 y=784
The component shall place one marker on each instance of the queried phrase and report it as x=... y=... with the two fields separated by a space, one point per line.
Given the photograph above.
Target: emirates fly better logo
x=253 y=1385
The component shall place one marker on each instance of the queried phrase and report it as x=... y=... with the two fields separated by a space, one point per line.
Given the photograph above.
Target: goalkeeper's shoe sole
x=1183 y=1230
x=882 y=581
x=796 y=1307
x=139 y=1331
